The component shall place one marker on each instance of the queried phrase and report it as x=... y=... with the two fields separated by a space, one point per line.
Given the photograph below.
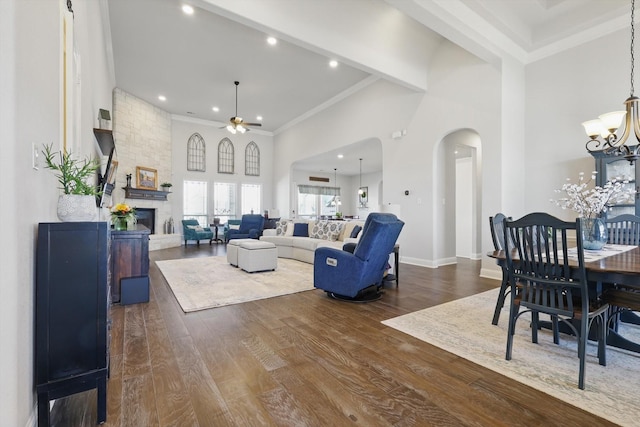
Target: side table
x=215 y=236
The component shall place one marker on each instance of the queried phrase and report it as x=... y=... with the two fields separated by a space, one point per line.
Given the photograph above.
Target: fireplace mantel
x=141 y=193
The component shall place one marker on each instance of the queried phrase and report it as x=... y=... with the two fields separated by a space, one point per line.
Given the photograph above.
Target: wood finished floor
x=303 y=360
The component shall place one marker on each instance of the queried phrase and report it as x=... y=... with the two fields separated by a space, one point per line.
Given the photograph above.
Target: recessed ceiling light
x=272 y=41
x=162 y=97
x=333 y=63
x=187 y=9
x=340 y=156
x=216 y=109
x=259 y=118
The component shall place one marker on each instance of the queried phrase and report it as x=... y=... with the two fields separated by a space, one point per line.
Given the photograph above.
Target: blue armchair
x=193 y=231
x=352 y=276
x=251 y=227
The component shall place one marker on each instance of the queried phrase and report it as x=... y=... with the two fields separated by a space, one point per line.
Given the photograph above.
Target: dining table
x=614 y=272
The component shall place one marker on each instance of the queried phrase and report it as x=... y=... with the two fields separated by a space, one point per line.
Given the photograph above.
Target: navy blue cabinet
x=72 y=312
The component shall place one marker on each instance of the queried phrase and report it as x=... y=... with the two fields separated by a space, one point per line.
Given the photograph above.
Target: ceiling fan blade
x=252 y=124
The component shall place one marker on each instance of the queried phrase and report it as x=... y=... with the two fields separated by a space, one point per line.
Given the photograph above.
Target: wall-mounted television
x=106 y=180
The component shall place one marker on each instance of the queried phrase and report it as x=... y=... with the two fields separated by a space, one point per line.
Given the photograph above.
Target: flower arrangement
x=590 y=203
x=122 y=210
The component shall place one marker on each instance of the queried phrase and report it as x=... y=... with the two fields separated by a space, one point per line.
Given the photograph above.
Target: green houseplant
x=78 y=201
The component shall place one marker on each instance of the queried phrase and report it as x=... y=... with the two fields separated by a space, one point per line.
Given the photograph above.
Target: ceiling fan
x=236 y=124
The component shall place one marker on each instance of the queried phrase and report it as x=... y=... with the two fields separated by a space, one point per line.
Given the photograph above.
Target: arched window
x=225 y=156
x=252 y=160
x=196 y=151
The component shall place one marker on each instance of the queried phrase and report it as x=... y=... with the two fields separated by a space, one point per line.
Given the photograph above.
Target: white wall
x=30 y=114
x=184 y=127
x=563 y=91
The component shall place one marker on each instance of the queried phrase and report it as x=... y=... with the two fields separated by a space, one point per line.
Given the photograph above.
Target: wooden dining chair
x=496 y=225
x=623 y=230
x=549 y=281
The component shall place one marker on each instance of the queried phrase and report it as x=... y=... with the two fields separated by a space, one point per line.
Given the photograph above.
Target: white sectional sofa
x=303 y=248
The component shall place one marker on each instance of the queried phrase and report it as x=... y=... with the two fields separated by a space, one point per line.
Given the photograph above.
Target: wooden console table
x=129 y=257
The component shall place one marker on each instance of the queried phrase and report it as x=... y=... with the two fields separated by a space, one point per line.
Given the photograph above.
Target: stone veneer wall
x=142 y=135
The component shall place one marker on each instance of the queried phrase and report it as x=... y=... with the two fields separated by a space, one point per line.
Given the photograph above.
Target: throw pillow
x=195 y=227
x=356 y=230
x=333 y=230
x=320 y=230
x=281 y=227
x=289 y=230
x=301 y=230
x=234 y=226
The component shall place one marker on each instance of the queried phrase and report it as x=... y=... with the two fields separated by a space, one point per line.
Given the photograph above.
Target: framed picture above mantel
x=146 y=178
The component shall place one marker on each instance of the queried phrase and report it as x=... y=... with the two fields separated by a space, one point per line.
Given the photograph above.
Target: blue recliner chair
x=193 y=231
x=251 y=227
x=358 y=276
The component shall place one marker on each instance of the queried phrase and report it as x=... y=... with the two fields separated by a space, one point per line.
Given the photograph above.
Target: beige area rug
x=463 y=327
x=201 y=283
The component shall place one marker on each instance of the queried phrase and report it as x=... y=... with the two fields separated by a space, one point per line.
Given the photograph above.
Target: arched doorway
x=458 y=197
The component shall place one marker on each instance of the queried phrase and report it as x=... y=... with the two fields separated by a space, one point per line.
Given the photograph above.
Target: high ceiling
x=193 y=60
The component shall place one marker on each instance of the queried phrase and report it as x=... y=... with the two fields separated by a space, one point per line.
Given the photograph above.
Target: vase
x=120 y=224
x=75 y=207
x=594 y=233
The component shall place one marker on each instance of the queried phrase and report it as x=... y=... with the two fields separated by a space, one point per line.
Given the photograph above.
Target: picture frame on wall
x=146 y=178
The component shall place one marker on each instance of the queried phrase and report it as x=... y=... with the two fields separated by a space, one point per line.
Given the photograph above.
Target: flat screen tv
x=106 y=181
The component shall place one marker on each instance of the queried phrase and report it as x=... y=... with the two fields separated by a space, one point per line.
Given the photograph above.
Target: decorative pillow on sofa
x=356 y=230
x=234 y=226
x=301 y=229
x=281 y=227
x=289 y=230
x=334 y=228
x=195 y=227
x=320 y=230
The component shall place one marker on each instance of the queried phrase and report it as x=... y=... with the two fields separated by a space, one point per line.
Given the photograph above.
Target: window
x=224 y=201
x=251 y=198
x=196 y=151
x=195 y=201
x=252 y=160
x=226 y=158
x=315 y=202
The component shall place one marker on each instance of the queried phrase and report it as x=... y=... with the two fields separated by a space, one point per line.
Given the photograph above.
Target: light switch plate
x=35 y=156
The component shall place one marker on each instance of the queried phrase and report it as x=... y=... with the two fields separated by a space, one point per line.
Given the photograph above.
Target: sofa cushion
x=279 y=240
x=334 y=228
x=281 y=227
x=307 y=243
x=301 y=229
x=356 y=230
x=289 y=230
x=320 y=230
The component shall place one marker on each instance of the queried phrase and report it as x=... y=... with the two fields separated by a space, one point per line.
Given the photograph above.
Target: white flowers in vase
x=590 y=203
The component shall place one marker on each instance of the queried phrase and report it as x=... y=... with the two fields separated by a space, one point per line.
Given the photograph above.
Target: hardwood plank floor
x=303 y=360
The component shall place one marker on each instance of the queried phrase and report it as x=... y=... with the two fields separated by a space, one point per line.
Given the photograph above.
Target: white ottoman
x=256 y=255
x=232 y=250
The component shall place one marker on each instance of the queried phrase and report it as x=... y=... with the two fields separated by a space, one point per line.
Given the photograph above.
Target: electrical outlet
x=35 y=156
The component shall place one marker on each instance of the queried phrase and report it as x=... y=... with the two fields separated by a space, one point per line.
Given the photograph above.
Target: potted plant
x=166 y=186
x=78 y=201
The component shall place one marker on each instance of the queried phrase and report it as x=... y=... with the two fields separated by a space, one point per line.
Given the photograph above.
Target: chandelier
x=607 y=124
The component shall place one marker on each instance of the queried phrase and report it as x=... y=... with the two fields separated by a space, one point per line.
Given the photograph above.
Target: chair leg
x=513 y=312
x=535 y=317
x=504 y=288
x=197 y=242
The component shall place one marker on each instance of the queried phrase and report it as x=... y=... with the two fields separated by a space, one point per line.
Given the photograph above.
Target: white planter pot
x=73 y=207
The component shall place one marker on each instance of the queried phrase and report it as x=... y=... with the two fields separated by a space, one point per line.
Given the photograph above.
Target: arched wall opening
x=457 y=197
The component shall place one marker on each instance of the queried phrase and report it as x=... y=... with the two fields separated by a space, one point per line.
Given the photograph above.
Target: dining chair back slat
x=623 y=230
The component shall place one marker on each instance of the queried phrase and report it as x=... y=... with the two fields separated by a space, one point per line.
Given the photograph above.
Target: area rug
x=463 y=327
x=201 y=283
